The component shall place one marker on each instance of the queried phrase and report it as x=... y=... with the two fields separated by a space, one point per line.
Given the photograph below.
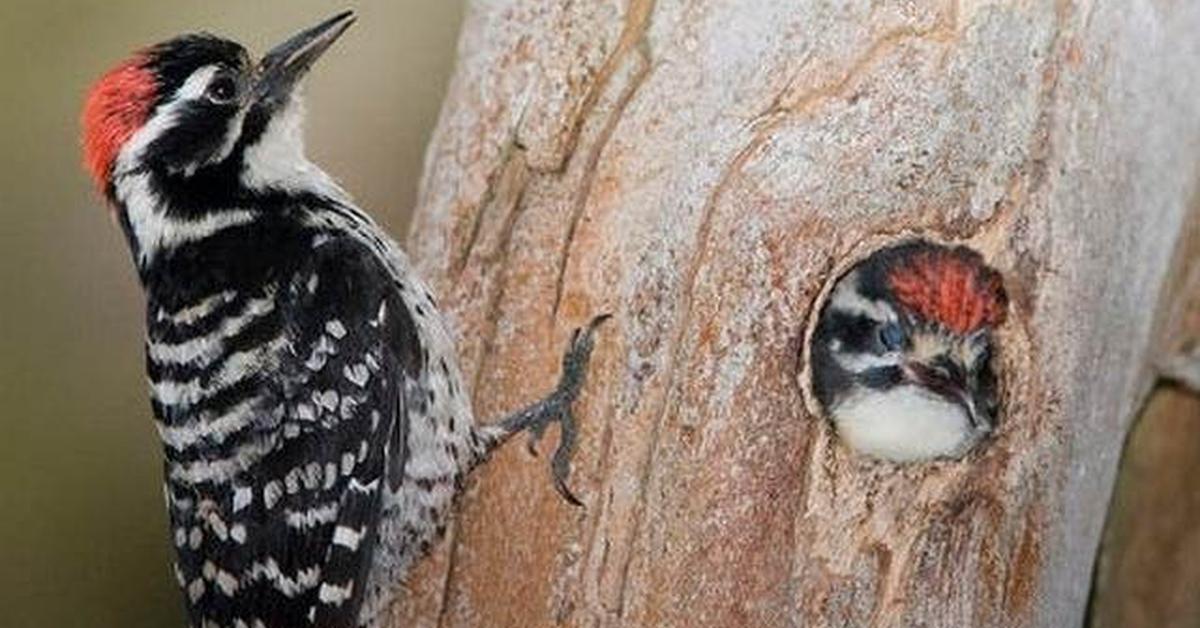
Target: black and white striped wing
x=345 y=423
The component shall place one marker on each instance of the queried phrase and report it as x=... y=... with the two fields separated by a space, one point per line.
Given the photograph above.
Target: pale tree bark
x=701 y=170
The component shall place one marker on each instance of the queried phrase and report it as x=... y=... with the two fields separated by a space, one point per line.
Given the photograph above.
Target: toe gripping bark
x=557 y=407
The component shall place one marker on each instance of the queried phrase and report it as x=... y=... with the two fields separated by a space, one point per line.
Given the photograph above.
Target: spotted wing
x=389 y=360
x=344 y=426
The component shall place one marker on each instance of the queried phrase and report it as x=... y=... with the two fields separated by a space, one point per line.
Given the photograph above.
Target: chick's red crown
x=951 y=287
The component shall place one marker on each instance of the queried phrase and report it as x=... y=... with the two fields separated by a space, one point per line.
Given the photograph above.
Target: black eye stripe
x=855 y=331
x=197 y=134
x=880 y=377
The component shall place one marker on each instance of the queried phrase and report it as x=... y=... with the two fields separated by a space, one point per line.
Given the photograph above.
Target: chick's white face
x=925 y=413
x=897 y=384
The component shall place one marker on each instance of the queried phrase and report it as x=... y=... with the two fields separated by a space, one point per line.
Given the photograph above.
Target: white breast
x=904 y=424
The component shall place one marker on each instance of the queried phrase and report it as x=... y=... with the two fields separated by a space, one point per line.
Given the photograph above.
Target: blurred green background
x=83 y=537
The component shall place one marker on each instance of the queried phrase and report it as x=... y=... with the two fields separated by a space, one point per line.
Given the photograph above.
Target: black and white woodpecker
x=306 y=389
x=902 y=353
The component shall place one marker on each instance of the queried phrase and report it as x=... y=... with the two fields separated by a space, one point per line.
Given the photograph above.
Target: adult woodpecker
x=901 y=356
x=305 y=387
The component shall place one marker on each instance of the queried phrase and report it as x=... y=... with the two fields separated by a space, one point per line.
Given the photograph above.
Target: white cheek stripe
x=848 y=298
x=164 y=118
x=860 y=362
x=196 y=84
x=152 y=228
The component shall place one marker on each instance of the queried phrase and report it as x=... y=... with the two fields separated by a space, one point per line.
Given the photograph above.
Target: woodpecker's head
x=193 y=123
x=901 y=356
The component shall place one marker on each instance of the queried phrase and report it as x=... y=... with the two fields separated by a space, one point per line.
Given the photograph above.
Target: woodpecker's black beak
x=282 y=68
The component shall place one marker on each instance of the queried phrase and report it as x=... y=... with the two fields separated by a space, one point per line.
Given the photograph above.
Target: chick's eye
x=222 y=90
x=891 y=336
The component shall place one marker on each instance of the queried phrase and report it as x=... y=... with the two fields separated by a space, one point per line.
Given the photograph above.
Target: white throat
x=277 y=160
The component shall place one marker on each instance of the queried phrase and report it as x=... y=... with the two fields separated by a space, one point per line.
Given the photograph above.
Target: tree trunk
x=702 y=170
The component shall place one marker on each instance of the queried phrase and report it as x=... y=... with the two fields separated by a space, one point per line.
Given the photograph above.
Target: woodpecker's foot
x=557 y=407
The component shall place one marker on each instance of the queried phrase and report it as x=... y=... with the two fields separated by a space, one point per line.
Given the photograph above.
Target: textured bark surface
x=702 y=170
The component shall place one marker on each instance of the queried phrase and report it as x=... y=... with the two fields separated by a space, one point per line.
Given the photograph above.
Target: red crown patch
x=952 y=287
x=115 y=108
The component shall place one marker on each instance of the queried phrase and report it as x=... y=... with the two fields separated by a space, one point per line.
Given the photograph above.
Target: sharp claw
x=561 y=485
x=598 y=320
x=582 y=336
x=560 y=464
x=560 y=468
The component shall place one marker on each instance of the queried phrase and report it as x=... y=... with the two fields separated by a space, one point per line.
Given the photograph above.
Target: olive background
x=83 y=534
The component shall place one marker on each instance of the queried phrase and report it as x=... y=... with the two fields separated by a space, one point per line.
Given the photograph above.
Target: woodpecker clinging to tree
x=304 y=385
x=901 y=357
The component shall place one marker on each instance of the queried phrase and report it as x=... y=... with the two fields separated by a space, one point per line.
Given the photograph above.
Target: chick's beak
x=954 y=388
x=282 y=68
x=979 y=410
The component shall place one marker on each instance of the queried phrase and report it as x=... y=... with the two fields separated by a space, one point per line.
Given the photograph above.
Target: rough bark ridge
x=701 y=170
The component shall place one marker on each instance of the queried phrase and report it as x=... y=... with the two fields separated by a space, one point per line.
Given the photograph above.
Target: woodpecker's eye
x=222 y=90
x=891 y=337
